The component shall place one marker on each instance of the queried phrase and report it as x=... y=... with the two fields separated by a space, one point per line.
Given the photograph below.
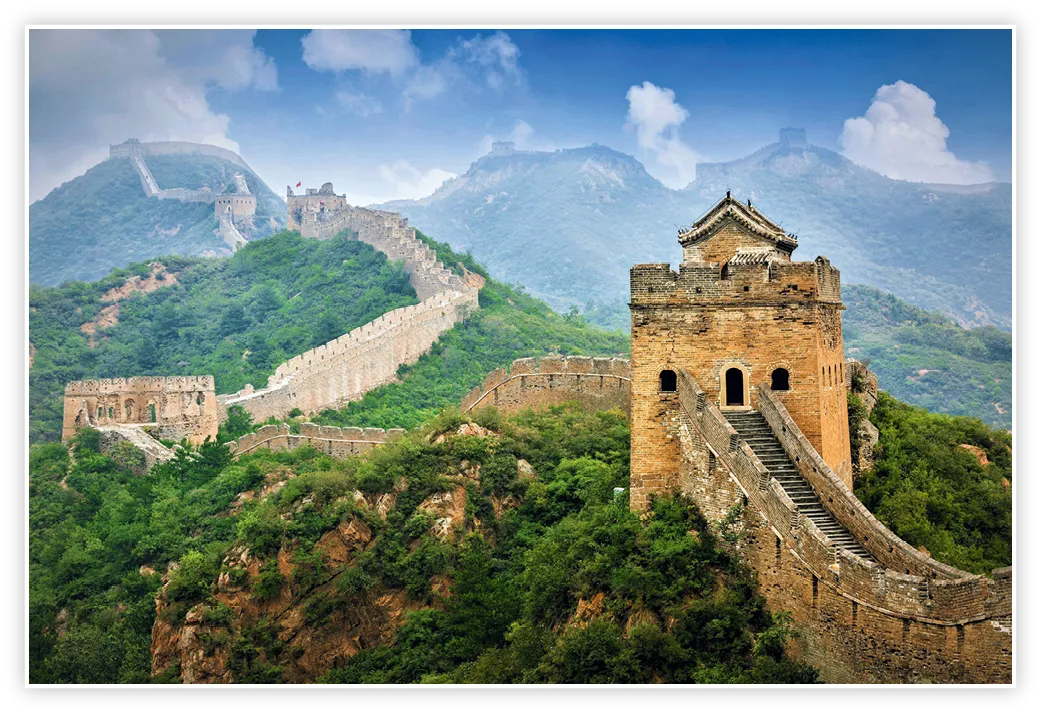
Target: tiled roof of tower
x=731 y=209
x=755 y=256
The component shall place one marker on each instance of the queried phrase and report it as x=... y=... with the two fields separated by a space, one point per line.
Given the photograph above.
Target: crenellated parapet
x=332 y=440
x=346 y=368
x=751 y=277
x=173 y=406
x=897 y=616
x=595 y=382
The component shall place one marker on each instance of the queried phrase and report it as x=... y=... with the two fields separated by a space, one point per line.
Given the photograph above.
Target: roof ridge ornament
x=747 y=216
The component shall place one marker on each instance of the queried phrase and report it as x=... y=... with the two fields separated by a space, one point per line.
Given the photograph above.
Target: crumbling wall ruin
x=173 y=407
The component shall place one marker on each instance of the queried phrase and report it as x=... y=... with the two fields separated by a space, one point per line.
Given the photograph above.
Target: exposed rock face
x=981 y=455
x=863 y=384
x=307 y=645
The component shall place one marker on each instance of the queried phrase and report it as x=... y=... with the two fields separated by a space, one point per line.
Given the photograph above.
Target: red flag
x=297 y=184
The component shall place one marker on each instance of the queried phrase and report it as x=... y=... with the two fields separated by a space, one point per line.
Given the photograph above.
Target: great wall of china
x=328 y=376
x=866 y=606
x=227 y=206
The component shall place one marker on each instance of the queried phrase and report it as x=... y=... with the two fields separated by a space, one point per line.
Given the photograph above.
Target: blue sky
x=391 y=114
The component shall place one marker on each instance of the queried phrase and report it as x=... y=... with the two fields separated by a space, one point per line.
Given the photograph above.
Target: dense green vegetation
x=103 y=219
x=235 y=318
x=932 y=492
x=926 y=359
x=510 y=325
x=517 y=578
x=92 y=524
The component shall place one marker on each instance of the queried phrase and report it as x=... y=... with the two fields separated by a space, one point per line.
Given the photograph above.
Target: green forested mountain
x=238 y=317
x=235 y=318
x=552 y=578
x=943 y=483
x=569 y=224
x=103 y=220
x=545 y=575
x=926 y=359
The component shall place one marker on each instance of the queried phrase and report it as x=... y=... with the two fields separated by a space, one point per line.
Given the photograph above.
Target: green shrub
x=193 y=578
x=269 y=582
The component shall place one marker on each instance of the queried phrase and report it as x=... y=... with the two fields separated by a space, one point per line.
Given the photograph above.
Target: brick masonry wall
x=185 y=406
x=334 y=441
x=756 y=318
x=347 y=368
x=857 y=621
x=596 y=383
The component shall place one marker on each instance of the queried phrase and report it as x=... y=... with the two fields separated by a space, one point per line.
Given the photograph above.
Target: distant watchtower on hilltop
x=315 y=204
x=739 y=313
x=792 y=138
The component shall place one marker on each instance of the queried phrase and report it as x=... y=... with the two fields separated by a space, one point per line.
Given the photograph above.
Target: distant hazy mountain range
x=104 y=219
x=569 y=224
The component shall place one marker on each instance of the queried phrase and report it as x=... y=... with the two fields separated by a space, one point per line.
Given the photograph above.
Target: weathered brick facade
x=598 y=383
x=172 y=407
x=738 y=302
x=888 y=615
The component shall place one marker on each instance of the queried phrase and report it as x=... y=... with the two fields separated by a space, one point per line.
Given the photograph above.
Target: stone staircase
x=752 y=427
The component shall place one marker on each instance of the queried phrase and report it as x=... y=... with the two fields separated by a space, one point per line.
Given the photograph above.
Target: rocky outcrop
x=311 y=621
x=864 y=385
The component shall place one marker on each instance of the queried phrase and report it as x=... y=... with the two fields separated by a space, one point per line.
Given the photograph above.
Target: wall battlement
x=332 y=440
x=736 y=282
x=174 y=406
x=904 y=617
x=595 y=382
x=346 y=368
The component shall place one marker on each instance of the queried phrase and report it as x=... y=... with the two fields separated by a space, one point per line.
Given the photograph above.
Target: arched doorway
x=667 y=380
x=779 y=380
x=735 y=383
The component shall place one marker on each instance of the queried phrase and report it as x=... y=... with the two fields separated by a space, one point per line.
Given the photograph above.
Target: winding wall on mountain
x=900 y=617
x=335 y=441
x=346 y=368
x=598 y=383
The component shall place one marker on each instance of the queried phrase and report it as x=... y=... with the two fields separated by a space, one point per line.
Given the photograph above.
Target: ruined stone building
x=170 y=407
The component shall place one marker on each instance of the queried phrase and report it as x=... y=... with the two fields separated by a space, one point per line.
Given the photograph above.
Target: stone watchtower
x=739 y=313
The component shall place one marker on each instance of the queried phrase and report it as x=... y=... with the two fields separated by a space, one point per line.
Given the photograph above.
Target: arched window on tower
x=667 y=380
x=779 y=380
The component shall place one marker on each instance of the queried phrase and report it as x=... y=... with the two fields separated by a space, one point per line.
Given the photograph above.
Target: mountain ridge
x=578 y=218
x=105 y=219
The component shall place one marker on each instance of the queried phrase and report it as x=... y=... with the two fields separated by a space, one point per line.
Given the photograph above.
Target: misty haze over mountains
x=568 y=224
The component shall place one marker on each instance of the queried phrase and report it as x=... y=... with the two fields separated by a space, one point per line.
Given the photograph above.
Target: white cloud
x=656 y=116
x=90 y=88
x=408 y=181
x=496 y=55
x=373 y=51
x=428 y=82
x=480 y=61
x=360 y=104
x=491 y=61
x=900 y=136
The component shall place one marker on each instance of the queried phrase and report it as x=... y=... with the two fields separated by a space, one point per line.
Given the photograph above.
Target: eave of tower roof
x=748 y=217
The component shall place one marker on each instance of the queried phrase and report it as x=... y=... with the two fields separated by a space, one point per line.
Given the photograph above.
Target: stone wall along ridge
x=344 y=369
x=941 y=592
x=332 y=440
x=595 y=382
